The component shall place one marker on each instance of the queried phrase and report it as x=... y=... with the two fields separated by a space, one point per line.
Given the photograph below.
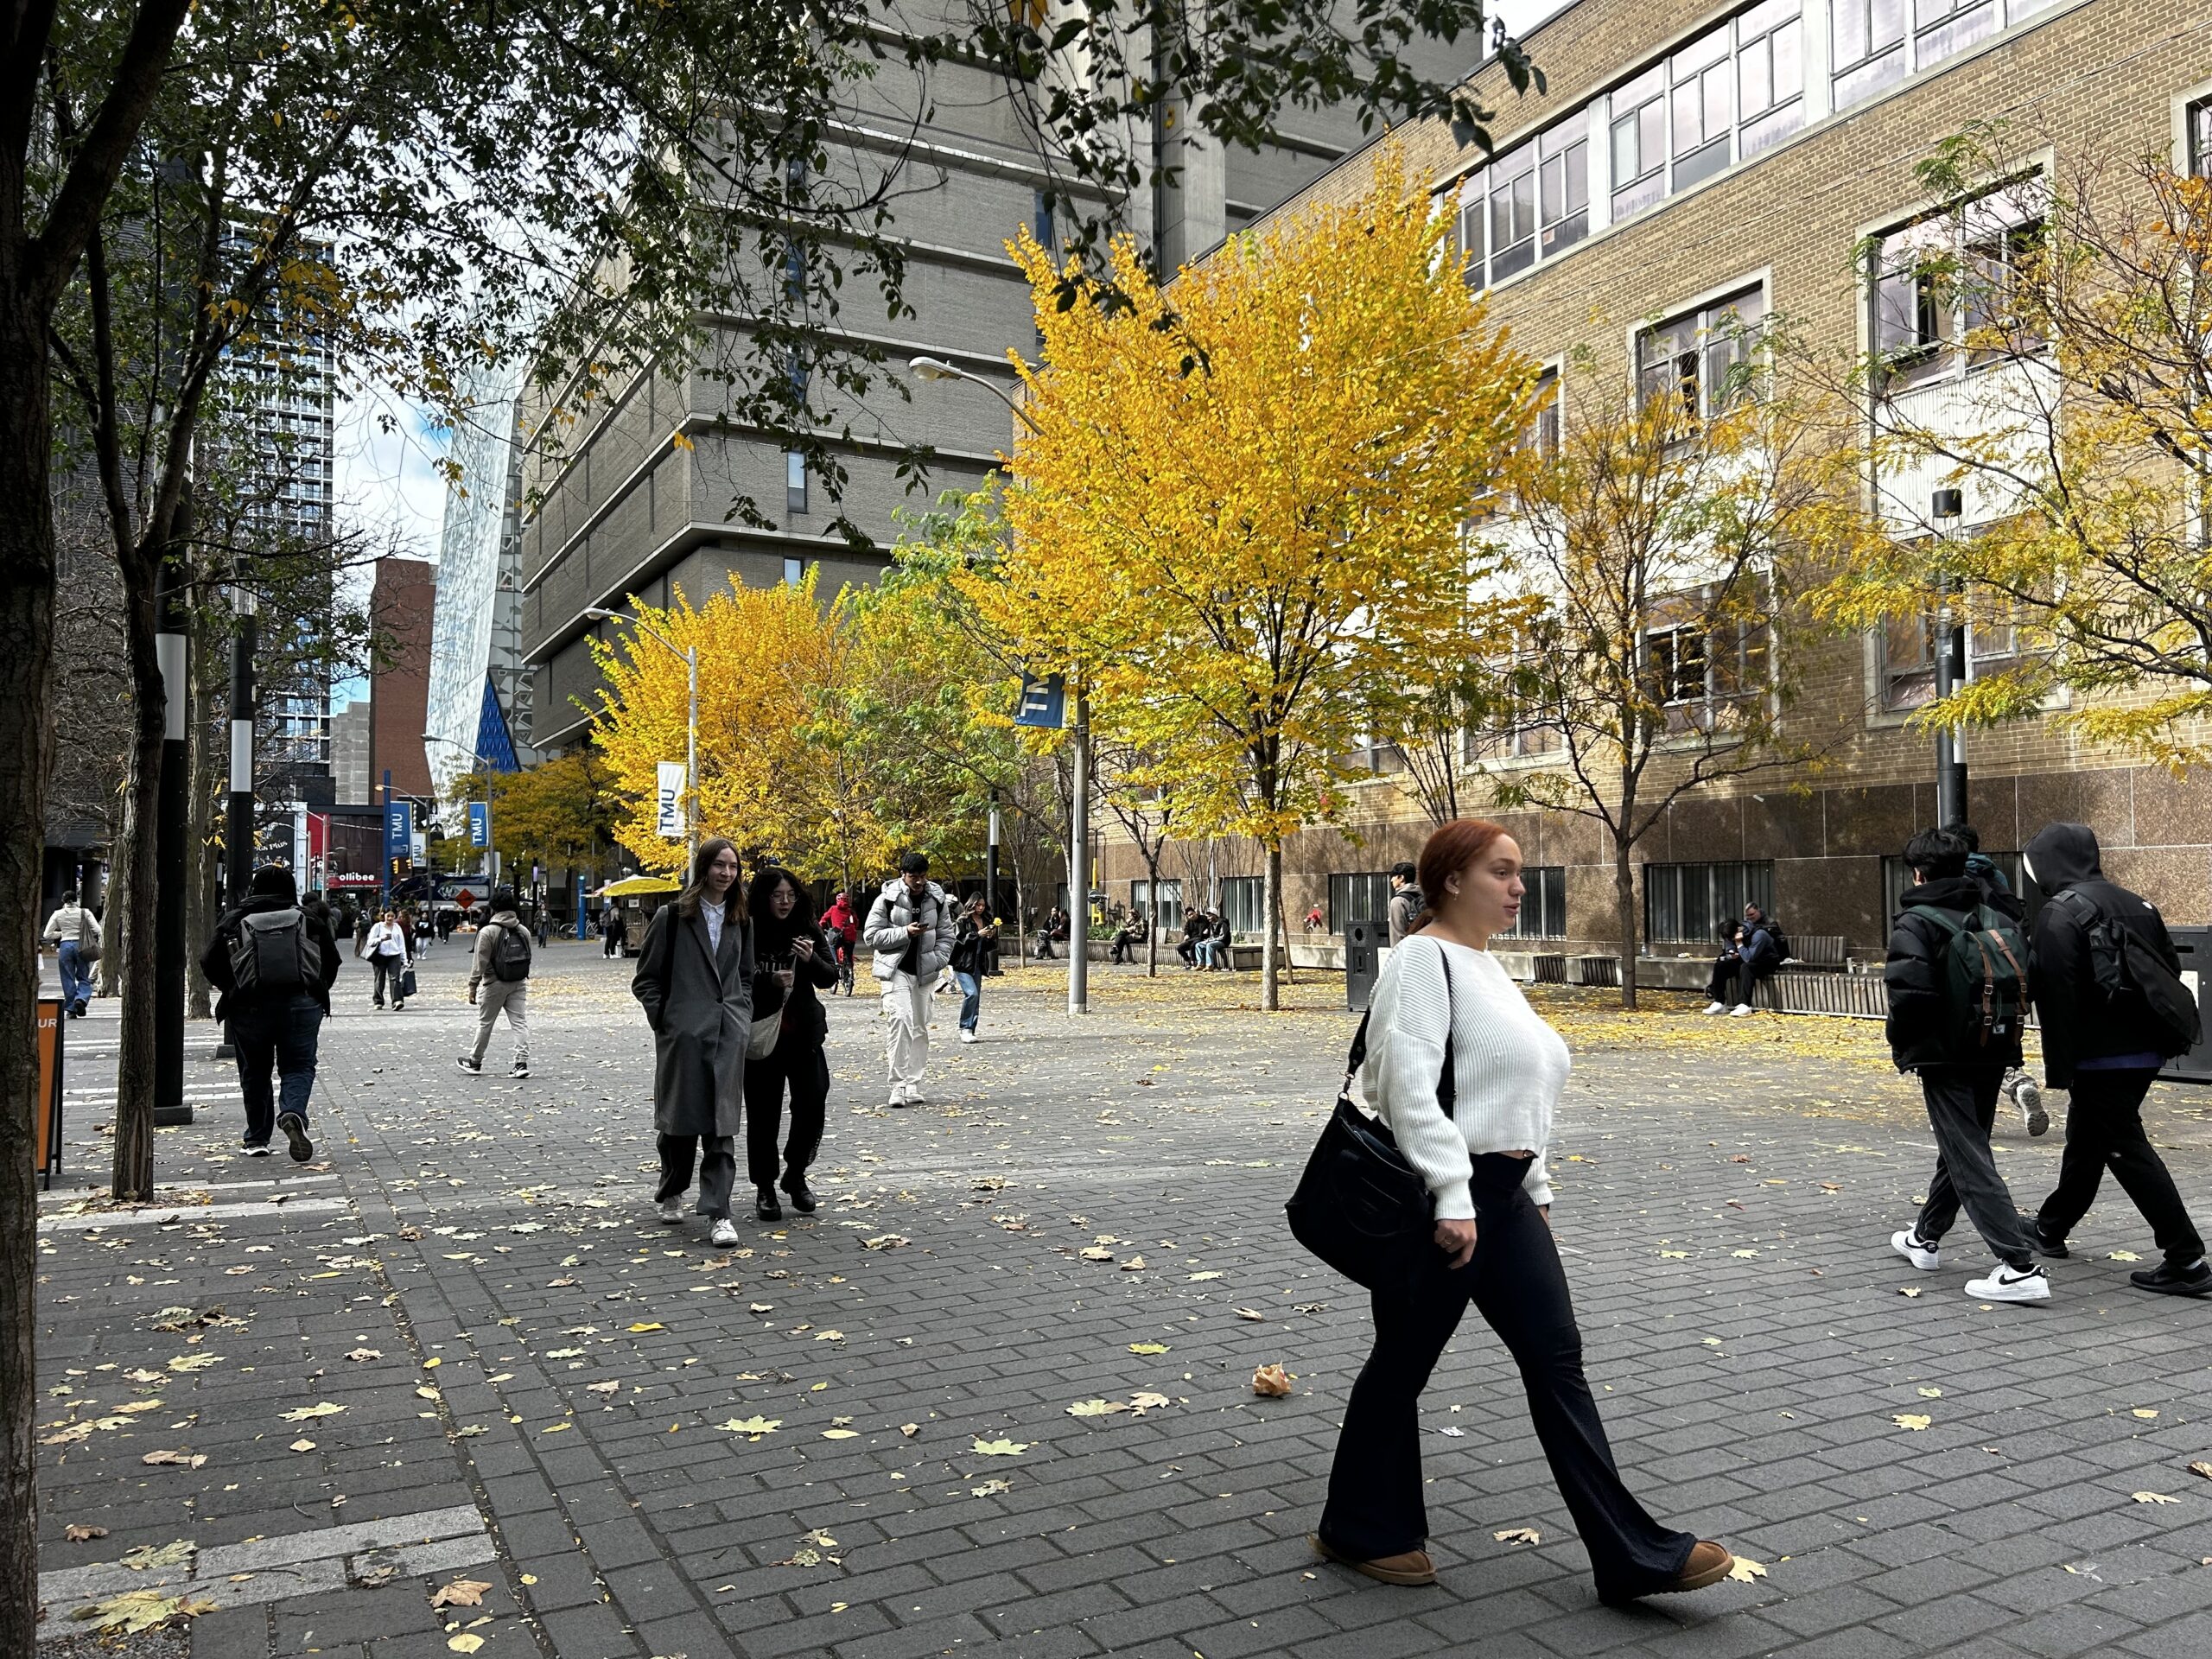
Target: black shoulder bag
x=1360 y=1206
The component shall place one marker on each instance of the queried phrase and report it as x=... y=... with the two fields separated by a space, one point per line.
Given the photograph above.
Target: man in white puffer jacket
x=909 y=927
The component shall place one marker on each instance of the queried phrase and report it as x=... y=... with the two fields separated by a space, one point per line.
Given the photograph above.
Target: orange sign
x=48 y=1145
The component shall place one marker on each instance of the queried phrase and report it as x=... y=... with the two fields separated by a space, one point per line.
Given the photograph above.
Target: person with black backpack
x=274 y=964
x=499 y=977
x=2113 y=1010
x=1958 y=988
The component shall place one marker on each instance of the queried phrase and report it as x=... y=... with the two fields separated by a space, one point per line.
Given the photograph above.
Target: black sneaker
x=294 y=1132
x=2046 y=1244
x=766 y=1207
x=519 y=1070
x=2171 y=1279
x=801 y=1194
x=474 y=1068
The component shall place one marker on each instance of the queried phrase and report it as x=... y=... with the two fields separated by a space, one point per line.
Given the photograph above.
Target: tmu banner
x=669 y=823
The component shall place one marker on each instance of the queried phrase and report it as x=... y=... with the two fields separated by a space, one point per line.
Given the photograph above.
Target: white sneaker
x=1740 y=1010
x=966 y=1035
x=2010 y=1284
x=898 y=1094
x=1716 y=1008
x=2027 y=1094
x=1925 y=1257
x=723 y=1234
x=671 y=1212
x=914 y=1095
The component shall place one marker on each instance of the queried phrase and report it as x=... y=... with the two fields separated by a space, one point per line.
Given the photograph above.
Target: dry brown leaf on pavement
x=2200 y=1468
x=1518 y=1536
x=182 y=1459
x=1911 y=1420
x=1271 y=1381
x=140 y=1610
x=77 y=1535
x=461 y=1593
x=1744 y=1569
x=2152 y=1498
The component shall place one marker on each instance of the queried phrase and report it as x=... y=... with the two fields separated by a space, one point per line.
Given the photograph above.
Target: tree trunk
x=1625 y=900
x=26 y=606
x=133 y=1177
x=1152 y=921
x=1271 y=907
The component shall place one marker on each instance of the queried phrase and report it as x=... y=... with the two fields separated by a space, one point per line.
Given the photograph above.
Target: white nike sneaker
x=1716 y=1008
x=2010 y=1284
x=1925 y=1257
x=723 y=1234
x=1740 y=1010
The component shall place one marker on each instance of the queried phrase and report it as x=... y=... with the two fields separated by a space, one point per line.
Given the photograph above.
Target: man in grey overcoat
x=695 y=979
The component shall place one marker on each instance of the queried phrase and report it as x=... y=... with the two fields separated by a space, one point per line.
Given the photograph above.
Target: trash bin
x=2194 y=946
x=1359 y=963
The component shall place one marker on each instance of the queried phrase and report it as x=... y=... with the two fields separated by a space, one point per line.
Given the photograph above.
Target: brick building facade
x=401 y=601
x=1686 y=154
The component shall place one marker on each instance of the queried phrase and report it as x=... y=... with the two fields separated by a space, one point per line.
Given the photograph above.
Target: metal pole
x=691 y=756
x=384 y=829
x=991 y=861
x=1079 y=866
x=237 y=825
x=1950 y=648
x=172 y=811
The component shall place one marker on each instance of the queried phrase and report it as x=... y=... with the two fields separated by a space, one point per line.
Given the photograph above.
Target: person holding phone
x=795 y=961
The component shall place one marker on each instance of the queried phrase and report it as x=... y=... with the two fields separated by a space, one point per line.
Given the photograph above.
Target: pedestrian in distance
x=2020 y=1087
x=1751 y=955
x=363 y=922
x=694 y=981
x=610 y=929
x=274 y=964
x=498 y=979
x=1405 y=901
x=1957 y=983
x=1194 y=930
x=843 y=923
x=910 y=928
x=1466 y=1075
x=74 y=932
x=794 y=963
x=1213 y=948
x=390 y=949
x=2113 y=1010
x=972 y=939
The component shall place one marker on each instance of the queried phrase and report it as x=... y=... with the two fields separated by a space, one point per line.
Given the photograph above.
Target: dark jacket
x=1760 y=953
x=699 y=1003
x=216 y=960
x=2077 y=1023
x=806 y=1022
x=1996 y=892
x=1919 y=1027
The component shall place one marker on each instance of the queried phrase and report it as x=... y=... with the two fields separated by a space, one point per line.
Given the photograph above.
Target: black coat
x=216 y=960
x=1919 y=1027
x=699 y=1003
x=806 y=1022
x=2077 y=1022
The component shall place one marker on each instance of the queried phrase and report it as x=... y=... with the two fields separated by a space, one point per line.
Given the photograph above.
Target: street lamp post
x=1950 y=648
x=690 y=655
x=935 y=368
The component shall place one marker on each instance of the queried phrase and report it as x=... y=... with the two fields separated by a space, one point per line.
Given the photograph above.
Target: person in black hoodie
x=1997 y=892
x=273 y=1025
x=795 y=960
x=1959 y=1082
x=2108 y=1053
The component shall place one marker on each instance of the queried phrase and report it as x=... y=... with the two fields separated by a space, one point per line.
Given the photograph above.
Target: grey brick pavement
x=536 y=1354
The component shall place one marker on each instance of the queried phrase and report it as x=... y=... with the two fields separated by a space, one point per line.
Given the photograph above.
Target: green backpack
x=1985 y=974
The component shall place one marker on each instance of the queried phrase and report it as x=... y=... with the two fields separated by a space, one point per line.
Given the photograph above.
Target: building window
x=1690 y=904
x=1703 y=357
x=1364 y=897
x=2200 y=138
x=1770 y=75
x=1703 y=106
x=1244 y=903
x=1543 y=908
x=1474 y=241
x=1955 y=282
x=1866 y=46
x=1513 y=214
x=1701 y=674
x=1896 y=876
x=794 y=571
x=1943 y=26
x=1639 y=141
x=1909 y=644
x=1544 y=429
x=1563 y=187
x=794 y=482
x=1170 y=904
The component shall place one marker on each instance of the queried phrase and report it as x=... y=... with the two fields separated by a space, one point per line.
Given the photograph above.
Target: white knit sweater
x=1509 y=1065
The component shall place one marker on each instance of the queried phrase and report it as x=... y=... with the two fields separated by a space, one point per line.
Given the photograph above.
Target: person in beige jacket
x=499 y=977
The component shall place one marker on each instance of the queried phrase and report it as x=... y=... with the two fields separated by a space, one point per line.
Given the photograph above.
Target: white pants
x=907 y=1029
x=494 y=995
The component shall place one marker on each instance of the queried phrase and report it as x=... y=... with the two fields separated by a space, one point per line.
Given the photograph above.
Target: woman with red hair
x=1466 y=1075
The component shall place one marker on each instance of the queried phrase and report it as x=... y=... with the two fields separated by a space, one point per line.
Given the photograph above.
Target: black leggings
x=1517 y=1284
x=807 y=1071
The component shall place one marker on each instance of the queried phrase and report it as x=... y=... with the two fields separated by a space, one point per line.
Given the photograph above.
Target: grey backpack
x=273 y=952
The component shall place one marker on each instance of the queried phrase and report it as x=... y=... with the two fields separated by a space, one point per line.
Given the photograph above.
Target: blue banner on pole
x=479 y=824
x=1044 y=701
x=398 y=829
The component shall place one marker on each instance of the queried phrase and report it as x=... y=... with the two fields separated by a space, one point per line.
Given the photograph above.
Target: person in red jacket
x=844 y=926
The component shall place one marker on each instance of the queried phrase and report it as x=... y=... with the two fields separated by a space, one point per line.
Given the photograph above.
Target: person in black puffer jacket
x=1960 y=1083
x=273 y=1027
x=795 y=960
x=2108 y=1053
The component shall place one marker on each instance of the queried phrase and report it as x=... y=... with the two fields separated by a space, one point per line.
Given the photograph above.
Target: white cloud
x=387 y=481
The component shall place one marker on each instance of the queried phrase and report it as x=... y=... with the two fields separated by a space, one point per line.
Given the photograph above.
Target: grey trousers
x=494 y=995
x=1961 y=1106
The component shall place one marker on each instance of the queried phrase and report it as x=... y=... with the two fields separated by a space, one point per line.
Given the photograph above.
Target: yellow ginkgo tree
x=1237 y=513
